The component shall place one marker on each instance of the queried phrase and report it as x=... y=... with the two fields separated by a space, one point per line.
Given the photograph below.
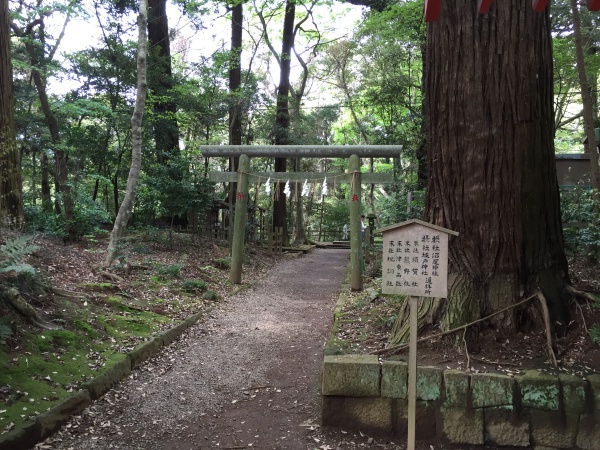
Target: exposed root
x=68 y=294
x=13 y=297
x=427 y=314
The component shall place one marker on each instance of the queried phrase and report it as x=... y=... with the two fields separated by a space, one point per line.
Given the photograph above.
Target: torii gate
x=353 y=176
x=432 y=7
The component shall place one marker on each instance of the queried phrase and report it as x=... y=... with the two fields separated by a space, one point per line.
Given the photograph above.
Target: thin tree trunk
x=492 y=175
x=46 y=196
x=126 y=208
x=586 y=99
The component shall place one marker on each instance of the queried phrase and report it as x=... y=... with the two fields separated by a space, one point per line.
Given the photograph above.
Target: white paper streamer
x=286 y=189
x=305 y=190
x=324 y=189
x=268 y=187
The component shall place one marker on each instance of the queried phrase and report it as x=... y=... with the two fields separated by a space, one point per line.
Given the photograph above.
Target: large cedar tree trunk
x=491 y=166
x=11 y=193
x=166 y=129
x=235 y=112
x=282 y=118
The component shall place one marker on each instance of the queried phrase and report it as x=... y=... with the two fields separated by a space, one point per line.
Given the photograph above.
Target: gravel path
x=247 y=377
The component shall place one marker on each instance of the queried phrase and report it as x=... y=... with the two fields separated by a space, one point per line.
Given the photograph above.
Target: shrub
x=193 y=286
x=222 y=263
x=210 y=295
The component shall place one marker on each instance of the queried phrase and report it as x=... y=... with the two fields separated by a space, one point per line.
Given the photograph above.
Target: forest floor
x=366 y=322
x=245 y=377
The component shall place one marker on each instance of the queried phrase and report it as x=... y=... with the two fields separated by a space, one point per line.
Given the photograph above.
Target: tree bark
x=586 y=99
x=235 y=113
x=11 y=190
x=282 y=118
x=492 y=175
x=126 y=208
x=166 y=128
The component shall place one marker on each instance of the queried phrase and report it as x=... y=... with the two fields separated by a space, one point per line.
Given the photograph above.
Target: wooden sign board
x=415 y=259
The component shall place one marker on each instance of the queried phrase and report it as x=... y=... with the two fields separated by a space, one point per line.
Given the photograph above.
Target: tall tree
x=236 y=99
x=34 y=36
x=586 y=99
x=166 y=129
x=11 y=191
x=126 y=208
x=281 y=133
x=491 y=166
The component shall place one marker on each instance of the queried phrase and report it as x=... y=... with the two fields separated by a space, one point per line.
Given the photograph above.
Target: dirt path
x=248 y=377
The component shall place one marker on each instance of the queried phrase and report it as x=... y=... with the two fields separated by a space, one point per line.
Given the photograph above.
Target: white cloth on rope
x=268 y=186
x=286 y=189
x=324 y=189
x=305 y=190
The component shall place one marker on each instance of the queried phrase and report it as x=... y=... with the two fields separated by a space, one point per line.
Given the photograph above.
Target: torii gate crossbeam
x=352 y=152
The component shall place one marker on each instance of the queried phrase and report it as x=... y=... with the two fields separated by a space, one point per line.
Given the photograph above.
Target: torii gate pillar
x=356 y=264
x=239 y=221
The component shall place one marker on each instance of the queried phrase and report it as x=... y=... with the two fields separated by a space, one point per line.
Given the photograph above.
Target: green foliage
x=579 y=215
x=6 y=331
x=595 y=334
x=13 y=252
x=171 y=270
x=41 y=221
x=210 y=295
x=222 y=263
x=193 y=286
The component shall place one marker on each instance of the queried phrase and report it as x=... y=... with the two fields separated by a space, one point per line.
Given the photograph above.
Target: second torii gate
x=353 y=176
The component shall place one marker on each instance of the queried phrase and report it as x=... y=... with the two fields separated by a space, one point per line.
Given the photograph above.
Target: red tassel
x=593 y=5
x=432 y=10
x=484 y=6
x=539 y=5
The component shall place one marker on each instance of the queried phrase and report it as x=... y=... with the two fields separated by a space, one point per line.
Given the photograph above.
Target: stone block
x=373 y=415
x=351 y=375
x=462 y=427
x=144 y=351
x=394 y=379
x=573 y=392
x=594 y=383
x=52 y=420
x=429 y=383
x=21 y=438
x=553 y=429
x=588 y=433
x=491 y=389
x=110 y=377
x=539 y=390
x=425 y=420
x=503 y=427
x=456 y=389
x=173 y=333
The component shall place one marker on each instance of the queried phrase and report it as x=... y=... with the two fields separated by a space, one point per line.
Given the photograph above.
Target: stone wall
x=533 y=410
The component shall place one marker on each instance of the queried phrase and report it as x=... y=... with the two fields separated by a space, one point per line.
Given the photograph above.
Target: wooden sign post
x=415 y=263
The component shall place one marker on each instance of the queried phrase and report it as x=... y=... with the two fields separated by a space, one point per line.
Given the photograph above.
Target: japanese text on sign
x=415 y=261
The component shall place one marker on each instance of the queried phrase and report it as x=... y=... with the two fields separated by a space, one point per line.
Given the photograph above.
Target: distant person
x=362 y=226
x=345 y=232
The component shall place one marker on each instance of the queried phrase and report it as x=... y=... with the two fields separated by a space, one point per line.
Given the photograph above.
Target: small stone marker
x=415 y=263
x=415 y=259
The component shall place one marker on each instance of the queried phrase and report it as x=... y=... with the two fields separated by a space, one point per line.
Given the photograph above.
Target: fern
x=595 y=334
x=6 y=331
x=13 y=252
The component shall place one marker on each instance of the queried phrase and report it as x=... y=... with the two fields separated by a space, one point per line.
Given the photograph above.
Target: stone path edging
x=29 y=434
